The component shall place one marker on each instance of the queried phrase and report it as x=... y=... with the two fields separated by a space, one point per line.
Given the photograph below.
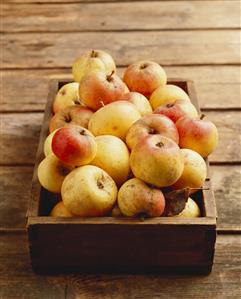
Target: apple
x=68 y=95
x=167 y=94
x=194 y=172
x=178 y=109
x=144 y=77
x=197 y=134
x=191 y=210
x=98 y=89
x=51 y=173
x=48 y=143
x=73 y=115
x=116 y=212
x=137 y=198
x=149 y=125
x=141 y=102
x=113 y=157
x=157 y=160
x=60 y=210
x=89 y=191
x=92 y=61
x=74 y=145
x=114 y=119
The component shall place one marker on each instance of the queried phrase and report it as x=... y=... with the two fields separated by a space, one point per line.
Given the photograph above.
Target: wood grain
x=15 y=184
x=128 y=16
x=16 y=277
x=18 y=281
x=167 y=47
x=20 y=132
x=223 y=282
x=216 y=86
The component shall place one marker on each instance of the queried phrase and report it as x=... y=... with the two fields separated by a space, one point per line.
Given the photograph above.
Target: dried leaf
x=176 y=201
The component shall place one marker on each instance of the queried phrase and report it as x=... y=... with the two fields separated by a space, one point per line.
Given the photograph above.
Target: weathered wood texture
x=18 y=281
x=127 y=16
x=15 y=184
x=20 y=133
x=216 y=86
x=16 y=277
x=166 y=47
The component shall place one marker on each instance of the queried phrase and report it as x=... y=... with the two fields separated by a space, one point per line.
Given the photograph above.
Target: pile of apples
x=117 y=146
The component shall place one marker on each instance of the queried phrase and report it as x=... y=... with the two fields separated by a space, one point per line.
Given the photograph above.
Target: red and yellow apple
x=68 y=95
x=74 y=145
x=157 y=160
x=167 y=94
x=141 y=102
x=114 y=119
x=92 y=61
x=99 y=89
x=197 y=134
x=113 y=157
x=137 y=198
x=144 y=77
x=178 y=109
x=72 y=115
x=51 y=173
x=194 y=171
x=60 y=210
x=89 y=191
x=150 y=125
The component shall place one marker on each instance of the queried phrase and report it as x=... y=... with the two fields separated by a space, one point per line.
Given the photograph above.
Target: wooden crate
x=107 y=244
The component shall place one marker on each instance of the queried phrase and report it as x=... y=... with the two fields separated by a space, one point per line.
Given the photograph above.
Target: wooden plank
x=16 y=277
x=223 y=282
x=15 y=184
x=128 y=16
x=26 y=90
x=30 y=50
x=226 y=185
x=18 y=281
x=88 y=1
x=20 y=132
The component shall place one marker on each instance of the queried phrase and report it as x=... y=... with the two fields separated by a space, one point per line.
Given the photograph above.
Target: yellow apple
x=194 y=172
x=51 y=173
x=68 y=95
x=141 y=102
x=48 y=143
x=167 y=94
x=114 y=119
x=91 y=61
x=60 y=210
x=89 y=191
x=191 y=210
x=112 y=156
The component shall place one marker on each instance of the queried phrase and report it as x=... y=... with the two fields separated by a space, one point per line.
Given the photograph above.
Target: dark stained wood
x=15 y=185
x=223 y=282
x=16 y=277
x=127 y=16
x=20 y=133
x=166 y=47
x=26 y=90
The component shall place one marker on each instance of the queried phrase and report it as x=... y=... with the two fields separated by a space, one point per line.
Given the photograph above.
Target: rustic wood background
x=199 y=40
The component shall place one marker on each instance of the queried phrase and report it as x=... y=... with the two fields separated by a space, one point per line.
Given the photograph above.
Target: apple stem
x=170 y=105
x=109 y=77
x=102 y=103
x=100 y=184
x=202 y=116
x=82 y=132
x=93 y=53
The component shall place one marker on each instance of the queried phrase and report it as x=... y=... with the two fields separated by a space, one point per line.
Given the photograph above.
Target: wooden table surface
x=199 y=40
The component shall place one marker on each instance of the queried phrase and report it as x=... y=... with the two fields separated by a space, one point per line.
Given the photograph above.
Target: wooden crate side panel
x=121 y=248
